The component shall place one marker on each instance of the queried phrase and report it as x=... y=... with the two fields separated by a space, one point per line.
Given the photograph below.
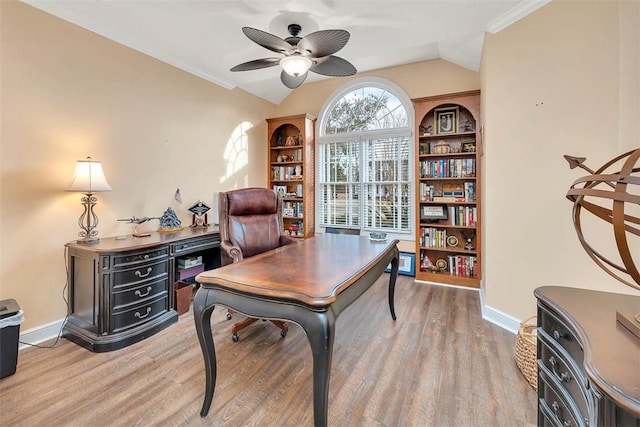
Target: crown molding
x=520 y=11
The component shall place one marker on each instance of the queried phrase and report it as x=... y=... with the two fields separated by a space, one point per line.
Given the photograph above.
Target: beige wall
x=68 y=93
x=417 y=80
x=564 y=80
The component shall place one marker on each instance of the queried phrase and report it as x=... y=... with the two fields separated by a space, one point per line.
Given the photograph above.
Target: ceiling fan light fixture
x=296 y=65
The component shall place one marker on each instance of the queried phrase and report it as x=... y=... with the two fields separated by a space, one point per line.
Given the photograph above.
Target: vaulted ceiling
x=205 y=37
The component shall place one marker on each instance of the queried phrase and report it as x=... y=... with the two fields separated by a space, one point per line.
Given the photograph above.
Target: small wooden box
x=441 y=148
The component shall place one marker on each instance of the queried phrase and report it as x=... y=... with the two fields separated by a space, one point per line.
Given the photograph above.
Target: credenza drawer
x=140 y=273
x=138 y=314
x=195 y=244
x=136 y=257
x=129 y=295
x=558 y=364
x=561 y=334
x=557 y=408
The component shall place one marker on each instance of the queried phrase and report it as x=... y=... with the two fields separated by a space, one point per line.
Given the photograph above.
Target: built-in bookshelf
x=448 y=177
x=291 y=169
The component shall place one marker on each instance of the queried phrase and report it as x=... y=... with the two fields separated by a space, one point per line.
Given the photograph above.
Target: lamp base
x=631 y=321
x=89 y=241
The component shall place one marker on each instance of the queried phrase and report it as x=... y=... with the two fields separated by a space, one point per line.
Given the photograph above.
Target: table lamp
x=88 y=179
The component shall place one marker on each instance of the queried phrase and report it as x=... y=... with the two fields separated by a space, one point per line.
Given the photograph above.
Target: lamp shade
x=89 y=177
x=295 y=65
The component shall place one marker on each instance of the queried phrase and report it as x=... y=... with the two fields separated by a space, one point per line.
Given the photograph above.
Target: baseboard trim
x=40 y=334
x=446 y=285
x=498 y=317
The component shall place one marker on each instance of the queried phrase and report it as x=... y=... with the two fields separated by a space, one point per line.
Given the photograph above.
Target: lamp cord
x=66 y=301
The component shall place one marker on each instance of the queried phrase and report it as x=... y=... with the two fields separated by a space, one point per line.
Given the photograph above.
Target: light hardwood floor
x=439 y=365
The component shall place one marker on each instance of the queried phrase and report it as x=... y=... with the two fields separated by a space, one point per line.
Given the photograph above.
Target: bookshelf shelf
x=454 y=250
x=290 y=162
x=448 y=176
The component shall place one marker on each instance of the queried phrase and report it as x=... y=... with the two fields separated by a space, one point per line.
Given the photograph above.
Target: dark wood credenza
x=121 y=289
x=588 y=363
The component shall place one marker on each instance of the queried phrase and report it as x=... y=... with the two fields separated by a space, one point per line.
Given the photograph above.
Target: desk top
x=313 y=271
x=130 y=242
x=612 y=353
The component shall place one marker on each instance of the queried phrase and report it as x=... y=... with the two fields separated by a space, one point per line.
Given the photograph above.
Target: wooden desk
x=309 y=283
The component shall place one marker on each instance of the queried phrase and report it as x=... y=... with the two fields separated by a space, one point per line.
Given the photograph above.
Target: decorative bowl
x=376 y=235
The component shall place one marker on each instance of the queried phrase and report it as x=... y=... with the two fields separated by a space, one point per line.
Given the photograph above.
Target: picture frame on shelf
x=281 y=190
x=469 y=147
x=433 y=212
x=447 y=120
x=288 y=212
x=406 y=264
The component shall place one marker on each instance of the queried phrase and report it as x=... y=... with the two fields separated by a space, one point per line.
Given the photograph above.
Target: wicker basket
x=525 y=351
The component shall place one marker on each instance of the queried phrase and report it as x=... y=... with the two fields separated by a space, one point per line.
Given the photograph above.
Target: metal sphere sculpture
x=619 y=189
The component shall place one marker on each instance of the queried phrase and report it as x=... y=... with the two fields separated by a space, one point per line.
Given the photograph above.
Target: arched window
x=364 y=155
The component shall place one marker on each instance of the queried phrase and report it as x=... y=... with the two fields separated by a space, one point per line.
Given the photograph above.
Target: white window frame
x=322 y=137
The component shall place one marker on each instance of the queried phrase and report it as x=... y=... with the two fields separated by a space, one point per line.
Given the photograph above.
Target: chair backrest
x=251 y=219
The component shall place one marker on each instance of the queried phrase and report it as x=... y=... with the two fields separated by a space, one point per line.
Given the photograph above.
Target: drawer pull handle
x=140 y=294
x=554 y=367
x=146 y=256
x=142 y=316
x=149 y=270
x=556 y=335
x=558 y=413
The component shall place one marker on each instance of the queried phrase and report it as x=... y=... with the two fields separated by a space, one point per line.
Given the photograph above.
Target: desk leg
x=392 y=282
x=202 y=318
x=320 y=330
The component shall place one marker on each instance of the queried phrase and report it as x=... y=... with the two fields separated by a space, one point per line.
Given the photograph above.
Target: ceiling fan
x=301 y=54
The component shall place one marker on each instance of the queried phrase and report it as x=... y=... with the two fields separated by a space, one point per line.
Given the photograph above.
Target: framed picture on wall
x=406 y=264
x=446 y=120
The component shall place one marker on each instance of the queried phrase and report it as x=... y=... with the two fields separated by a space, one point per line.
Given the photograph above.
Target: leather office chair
x=250 y=222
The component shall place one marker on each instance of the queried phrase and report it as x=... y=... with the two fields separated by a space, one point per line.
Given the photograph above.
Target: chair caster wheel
x=283 y=334
x=229 y=316
x=235 y=337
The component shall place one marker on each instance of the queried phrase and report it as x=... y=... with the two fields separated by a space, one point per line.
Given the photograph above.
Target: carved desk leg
x=320 y=330
x=392 y=282
x=202 y=317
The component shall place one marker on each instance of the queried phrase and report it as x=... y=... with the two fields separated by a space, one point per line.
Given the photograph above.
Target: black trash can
x=10 y=318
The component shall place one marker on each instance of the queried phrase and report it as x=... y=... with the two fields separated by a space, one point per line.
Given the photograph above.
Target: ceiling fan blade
x=323 y=43
x=333 y=66
x=256 y=64
x=267 y=40
x=290 y=81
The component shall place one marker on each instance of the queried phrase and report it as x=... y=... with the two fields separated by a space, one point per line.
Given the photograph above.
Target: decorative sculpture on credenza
x=199 y=215
x=169 y=221
x=611 y=195
x=137 y=222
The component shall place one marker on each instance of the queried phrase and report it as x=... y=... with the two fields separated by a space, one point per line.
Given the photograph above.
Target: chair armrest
x=286 y=240
x=230 y=253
